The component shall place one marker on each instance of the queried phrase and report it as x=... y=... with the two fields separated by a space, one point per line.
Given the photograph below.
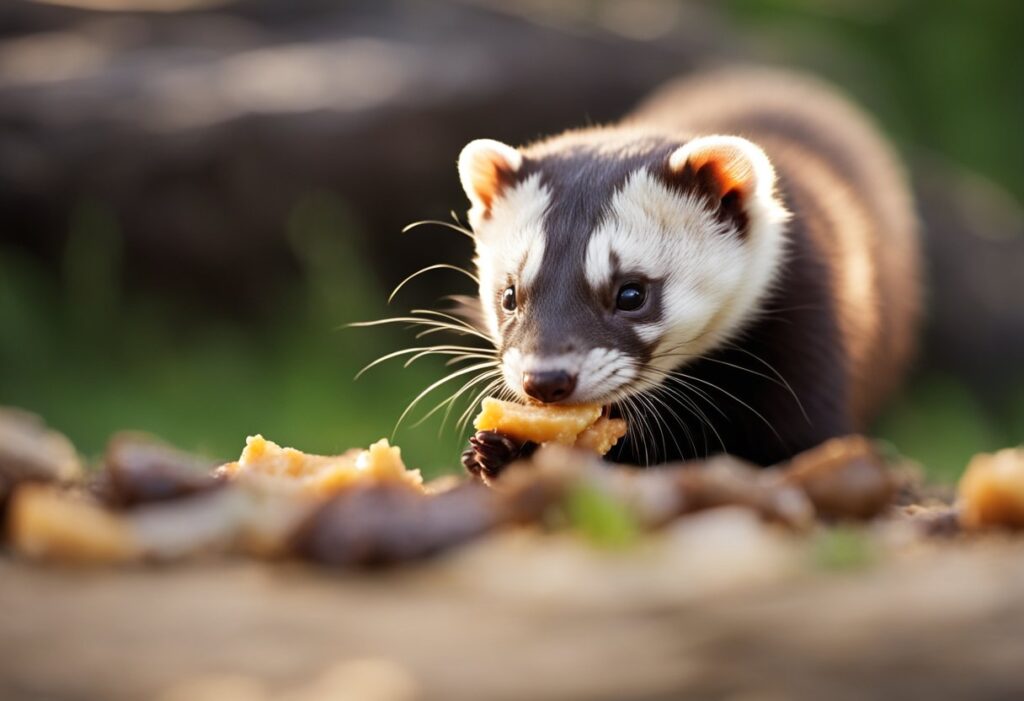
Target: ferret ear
x=486 y=167
x=731 y=172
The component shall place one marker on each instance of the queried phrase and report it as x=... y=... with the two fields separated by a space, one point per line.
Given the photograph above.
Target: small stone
x=845 y=478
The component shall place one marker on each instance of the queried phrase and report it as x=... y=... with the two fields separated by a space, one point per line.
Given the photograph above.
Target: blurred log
x=938 y=625
x=201 y=131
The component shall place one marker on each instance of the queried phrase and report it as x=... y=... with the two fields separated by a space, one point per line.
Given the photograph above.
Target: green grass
x=934 y=73
x=939 y=423
x=602 y=519
x=842 y=548
x=92 y=361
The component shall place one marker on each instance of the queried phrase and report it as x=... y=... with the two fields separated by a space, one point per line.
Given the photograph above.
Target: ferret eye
x=508 y=299
x=631 y=297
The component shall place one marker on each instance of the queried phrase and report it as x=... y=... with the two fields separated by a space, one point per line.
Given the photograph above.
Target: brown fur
x=842 y=324
x=835 y=334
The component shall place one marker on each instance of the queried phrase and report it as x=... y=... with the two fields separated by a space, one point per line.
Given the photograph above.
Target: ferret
x=733 y=267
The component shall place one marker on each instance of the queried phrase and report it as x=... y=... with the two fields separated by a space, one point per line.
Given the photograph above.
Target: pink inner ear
x=730 y=169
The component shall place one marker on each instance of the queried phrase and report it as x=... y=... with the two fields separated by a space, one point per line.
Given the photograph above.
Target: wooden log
x=556 y=620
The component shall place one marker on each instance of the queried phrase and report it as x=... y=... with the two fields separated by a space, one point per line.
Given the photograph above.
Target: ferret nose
x=549 y=385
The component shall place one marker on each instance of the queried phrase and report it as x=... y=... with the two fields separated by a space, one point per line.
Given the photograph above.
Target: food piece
x=550 y=423
x=384 y=523
x=139 y=469
x=266 y=464
x=540 y=424
x=507 y=431
x=54 y=524
x=31 y=452
x=602 y=435
x=845 y=478
x=991 y=491
x=50 y=523
x=155 y=503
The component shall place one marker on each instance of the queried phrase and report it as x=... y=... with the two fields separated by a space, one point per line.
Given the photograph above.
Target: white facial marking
x=713 y=279
x=599 y=371
x=512 y=236
x=531 y=266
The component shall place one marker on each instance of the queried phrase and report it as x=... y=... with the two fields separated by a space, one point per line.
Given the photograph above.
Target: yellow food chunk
x=991 y=492
x=580 y=425
x=46 y=522
x=267 y=464
x=602 y=435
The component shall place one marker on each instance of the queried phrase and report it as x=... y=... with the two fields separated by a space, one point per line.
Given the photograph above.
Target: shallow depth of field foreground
x=281 y=421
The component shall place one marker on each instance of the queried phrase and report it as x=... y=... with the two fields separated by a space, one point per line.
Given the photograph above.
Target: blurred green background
x=92 y=349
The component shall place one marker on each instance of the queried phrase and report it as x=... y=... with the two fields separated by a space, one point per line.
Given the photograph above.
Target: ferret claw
x=491 y=452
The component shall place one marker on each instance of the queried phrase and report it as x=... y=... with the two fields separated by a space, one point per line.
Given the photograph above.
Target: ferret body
x=733 y=267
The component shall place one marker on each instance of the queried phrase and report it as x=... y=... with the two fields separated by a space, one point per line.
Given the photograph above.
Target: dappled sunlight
x=137 y=5
x=51 y=57
x=346 y=75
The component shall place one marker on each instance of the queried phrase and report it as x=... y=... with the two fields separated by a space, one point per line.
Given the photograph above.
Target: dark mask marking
x=562 y=313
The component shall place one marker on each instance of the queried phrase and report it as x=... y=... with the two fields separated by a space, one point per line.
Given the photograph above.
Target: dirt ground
x=518 y=617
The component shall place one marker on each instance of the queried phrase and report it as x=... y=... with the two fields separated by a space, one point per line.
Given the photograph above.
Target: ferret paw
x=489 y=453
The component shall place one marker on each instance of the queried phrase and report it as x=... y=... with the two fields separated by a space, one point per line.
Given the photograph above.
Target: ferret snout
x=549 y=385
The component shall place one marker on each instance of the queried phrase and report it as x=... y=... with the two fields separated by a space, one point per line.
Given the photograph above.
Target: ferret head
x=606 y=260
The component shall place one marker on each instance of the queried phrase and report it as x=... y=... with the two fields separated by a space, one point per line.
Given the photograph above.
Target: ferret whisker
x=632 y=427
x=660 y=378
x=653 y=396
x=420 y=351
x=647 y=398
x=481 y=393
x=452 y=323
x=777 y=374
x=645 y=428
x=447 y=378
x=464 y=357
x=691 y=406
x=437 y=266
x=777 y=379
x=794 y=308
x=622 y=402
x=647 y=419
x=444 y=315
x=638 y=422
x=736 y=399
x=658 y=424
x=432 y=324
x=694 y=408
x=458 y=356
x=458 y=393
x=673 y=351
x=439 y=222
x=442 y=329
x=681 y=424
x=466 y=415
